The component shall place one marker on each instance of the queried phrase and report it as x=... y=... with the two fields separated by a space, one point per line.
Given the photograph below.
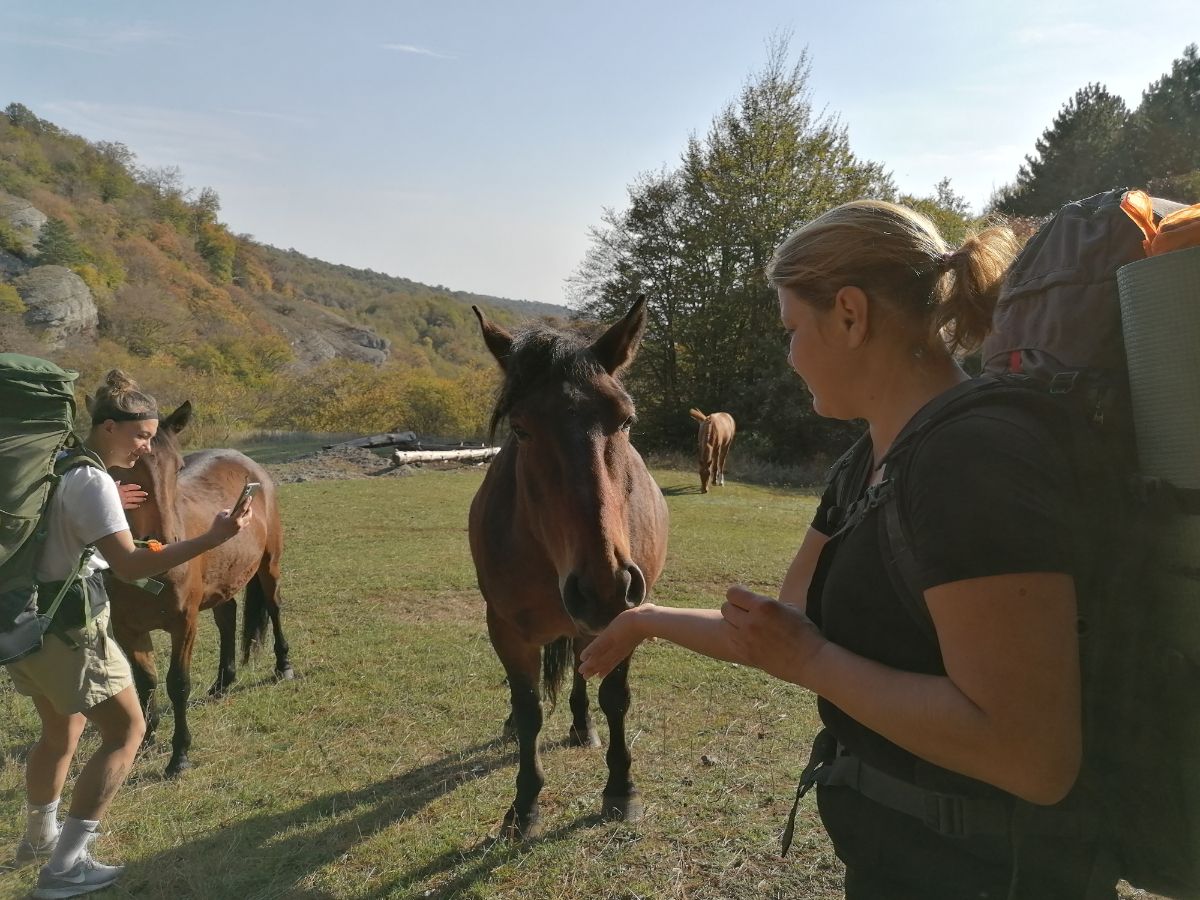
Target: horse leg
x=225 y=615
x=704 y=467
x=621 y=799
x=522 y=662
x=179 y=688
x=583 y=731
x=139 y=649
x=268 y=579
x=721 y=454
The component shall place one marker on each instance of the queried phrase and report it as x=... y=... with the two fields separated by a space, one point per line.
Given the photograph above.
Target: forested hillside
x=104 y=262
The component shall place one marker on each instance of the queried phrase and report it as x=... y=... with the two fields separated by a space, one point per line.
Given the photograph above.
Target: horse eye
x=520 y=432
x=628 y=423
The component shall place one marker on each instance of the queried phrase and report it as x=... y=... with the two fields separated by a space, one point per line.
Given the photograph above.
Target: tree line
x=696 y=238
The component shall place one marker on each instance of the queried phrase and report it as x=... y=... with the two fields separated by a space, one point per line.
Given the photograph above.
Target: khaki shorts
x=75 y=679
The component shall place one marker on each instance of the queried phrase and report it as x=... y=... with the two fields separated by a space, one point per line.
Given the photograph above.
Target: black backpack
x=1056 y=350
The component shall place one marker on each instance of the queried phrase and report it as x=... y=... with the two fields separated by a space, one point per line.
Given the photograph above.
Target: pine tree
x=56 y=245
x=1078 y=155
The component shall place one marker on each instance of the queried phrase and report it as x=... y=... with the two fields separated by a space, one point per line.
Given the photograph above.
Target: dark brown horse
x=567 y=530
x=184 y=496
x=715 y=439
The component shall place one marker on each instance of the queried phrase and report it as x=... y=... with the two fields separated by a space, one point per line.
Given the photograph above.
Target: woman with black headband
x=80 y=674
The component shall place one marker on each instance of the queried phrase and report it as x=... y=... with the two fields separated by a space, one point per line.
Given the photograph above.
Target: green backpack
x=37 y=412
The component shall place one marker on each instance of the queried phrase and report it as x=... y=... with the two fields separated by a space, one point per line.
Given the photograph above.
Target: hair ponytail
x=967 y=292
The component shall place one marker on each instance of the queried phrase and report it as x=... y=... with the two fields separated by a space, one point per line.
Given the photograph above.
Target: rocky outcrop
x=318 y=335
x=11 y=266
x=25 y=219
x=61 y=310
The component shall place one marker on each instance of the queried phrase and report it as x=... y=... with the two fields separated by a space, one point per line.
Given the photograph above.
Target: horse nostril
x=636 y=593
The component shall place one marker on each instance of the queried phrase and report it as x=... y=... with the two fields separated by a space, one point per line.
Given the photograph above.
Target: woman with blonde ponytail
x=80 y=675
x=936 y=738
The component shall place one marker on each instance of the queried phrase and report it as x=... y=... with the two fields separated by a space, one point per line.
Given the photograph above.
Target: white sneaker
x=29 y=853
x=85 y=876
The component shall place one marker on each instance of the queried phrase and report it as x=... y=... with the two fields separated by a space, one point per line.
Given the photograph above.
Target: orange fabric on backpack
x=1178 y=231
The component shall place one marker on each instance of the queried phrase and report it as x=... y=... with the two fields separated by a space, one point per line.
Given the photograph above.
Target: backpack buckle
x=1063 y=382
x=946 y=814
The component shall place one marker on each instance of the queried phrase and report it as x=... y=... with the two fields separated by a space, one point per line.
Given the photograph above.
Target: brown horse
x=567 y=530
x=715 y=439
x=184 y=496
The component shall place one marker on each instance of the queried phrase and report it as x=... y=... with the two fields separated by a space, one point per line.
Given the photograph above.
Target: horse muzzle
x=592 y=609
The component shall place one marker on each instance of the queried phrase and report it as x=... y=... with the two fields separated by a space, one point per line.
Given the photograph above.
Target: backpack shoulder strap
x=899 y=556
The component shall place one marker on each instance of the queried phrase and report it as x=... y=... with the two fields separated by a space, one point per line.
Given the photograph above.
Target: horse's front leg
x=522 y=662
x=583 y=730
x=621 y=799
x=225 y=617
x=179 y=689
x=139 y=649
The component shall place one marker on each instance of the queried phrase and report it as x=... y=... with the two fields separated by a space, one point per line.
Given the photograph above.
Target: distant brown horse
x=184 y=496
x=567 y=530
x=715 y=439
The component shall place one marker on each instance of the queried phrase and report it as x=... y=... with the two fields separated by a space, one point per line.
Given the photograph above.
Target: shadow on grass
x=273 y=855
x=679 y=490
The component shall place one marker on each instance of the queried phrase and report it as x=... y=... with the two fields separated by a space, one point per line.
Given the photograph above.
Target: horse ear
x=497 y=339
x=616 y=348
x=179 y=419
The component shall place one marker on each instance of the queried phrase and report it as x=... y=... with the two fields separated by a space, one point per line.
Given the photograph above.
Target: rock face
x=23 y=217
x=11 y=265
x=318 y=335
x=61 y=308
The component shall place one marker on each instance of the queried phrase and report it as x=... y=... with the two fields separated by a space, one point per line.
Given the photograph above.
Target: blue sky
x=472 y=144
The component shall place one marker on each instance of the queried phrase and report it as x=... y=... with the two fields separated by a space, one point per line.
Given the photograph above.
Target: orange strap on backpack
x=1177 y=231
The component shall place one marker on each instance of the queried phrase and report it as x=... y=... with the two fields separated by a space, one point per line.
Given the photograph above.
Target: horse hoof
x=218 y=690
x=624 y=809
x=177 y=767
x=287 y=673
x=521 y=828
x=576 y=739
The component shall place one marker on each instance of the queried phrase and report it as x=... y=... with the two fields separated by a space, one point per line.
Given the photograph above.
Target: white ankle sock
x=41 y=824
x=72 y=843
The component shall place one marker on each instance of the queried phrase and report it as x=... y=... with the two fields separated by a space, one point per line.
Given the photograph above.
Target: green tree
x=1080 y=154
x=948 y=210
x=697 y=242
x=1163 y=139
x=56 y=246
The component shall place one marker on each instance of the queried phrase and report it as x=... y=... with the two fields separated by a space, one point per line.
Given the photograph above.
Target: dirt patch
x=351 y=462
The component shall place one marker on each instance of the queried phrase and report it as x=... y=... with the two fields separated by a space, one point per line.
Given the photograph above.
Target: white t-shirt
x=86 y=507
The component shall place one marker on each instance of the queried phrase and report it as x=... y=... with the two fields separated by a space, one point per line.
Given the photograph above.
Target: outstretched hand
x=132 y=495
x=614 y=644
x=775 y=637
x=226 y=525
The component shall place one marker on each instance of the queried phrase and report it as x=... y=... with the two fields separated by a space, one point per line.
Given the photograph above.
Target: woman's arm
x=130 y=562
x=1008 y=710
x=794 y=590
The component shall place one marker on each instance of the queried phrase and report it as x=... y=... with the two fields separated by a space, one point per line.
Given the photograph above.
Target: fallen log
x=400 y=457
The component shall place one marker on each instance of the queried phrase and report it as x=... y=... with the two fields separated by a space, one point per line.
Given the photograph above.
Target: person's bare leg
x=121 y=725
x=50 y=759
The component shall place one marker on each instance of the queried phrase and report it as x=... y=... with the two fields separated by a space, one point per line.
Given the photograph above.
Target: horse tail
x=697 y=415
x=254 y=617
x=557 y=657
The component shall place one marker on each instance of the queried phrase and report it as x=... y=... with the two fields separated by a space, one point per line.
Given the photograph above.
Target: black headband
x=120 y=416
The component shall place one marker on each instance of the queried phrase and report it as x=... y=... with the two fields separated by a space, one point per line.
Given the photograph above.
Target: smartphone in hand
x=245 y=497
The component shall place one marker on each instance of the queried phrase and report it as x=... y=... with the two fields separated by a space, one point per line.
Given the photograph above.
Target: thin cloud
x=419 y=51
x=1067 y=33
x=273 y=116
x=89 y=39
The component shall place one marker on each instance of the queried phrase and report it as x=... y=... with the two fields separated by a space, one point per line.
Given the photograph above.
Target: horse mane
x=539 y=354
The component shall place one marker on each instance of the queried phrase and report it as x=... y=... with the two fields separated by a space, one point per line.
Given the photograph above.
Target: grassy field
x=379 y=772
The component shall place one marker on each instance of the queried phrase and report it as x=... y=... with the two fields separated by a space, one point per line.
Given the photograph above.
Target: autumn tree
x=696 y=240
